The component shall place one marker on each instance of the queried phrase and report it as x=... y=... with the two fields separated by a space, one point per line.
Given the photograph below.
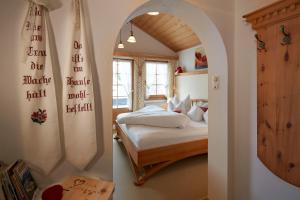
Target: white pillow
x=205 y=105
x=180 y=107
x=175 y=100
x=175 y=104
x=205 y=117
x=196 y=113
x=170 y=106
x=187 y=102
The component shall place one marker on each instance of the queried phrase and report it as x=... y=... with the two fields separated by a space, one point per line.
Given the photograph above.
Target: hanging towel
x=79 y=104
x=40 y=81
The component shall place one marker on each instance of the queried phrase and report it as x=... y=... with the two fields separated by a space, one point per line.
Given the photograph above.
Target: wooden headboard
x=193 y=102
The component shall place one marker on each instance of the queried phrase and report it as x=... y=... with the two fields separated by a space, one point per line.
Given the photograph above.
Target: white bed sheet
x=147 y=137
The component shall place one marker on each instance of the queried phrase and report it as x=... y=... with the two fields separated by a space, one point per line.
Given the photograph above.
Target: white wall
x=252 y=180
x=145 y=43
x=187 y=58
x=10 y=141
x=195 y=85
x=196 y=17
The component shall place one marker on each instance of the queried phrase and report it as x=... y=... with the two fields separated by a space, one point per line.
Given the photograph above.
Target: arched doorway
x=218 y=67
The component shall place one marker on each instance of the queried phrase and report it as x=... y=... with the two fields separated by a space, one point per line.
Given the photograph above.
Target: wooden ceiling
x=169 y=30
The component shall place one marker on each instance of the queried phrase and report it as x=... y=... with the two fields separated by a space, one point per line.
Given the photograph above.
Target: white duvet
x=154 y=116
x=148 y=137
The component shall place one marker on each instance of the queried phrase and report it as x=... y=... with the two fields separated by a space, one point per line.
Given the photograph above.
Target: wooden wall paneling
x=130 y=55
x=172 y=35
x=176 y=29
x=289 y=102
x=278 y=89
x=153 y=21
x=143 y=20
x=168 y=27
x=268 y=96
x=160 y=21
x=185 y=39
x=261 y=66
x=169 y=30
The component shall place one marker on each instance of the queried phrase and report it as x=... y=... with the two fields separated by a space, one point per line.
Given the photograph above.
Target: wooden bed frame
x=145 y=163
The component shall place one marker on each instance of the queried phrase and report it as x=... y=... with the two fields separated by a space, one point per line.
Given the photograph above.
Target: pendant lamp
x=120 y=45
x=131 y=38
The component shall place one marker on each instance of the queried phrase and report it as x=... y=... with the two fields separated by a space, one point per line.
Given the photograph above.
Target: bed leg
x=139 y=181
x=156 y=168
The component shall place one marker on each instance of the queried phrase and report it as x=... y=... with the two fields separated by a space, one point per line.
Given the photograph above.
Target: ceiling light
x=131 y=38
x=120 y=45
x=153 y=13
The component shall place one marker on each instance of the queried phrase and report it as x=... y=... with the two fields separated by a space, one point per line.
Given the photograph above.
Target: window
x=122 y=83
x=156 y=79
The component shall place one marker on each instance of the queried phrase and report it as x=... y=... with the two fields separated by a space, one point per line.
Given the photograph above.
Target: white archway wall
x=218 y=65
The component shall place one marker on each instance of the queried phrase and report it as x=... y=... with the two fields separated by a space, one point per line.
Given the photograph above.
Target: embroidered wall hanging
x=79 y=105
x=40 y=80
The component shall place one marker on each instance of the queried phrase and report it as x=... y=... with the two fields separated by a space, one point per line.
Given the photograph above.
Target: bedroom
x=145 y=75
x=234 y=171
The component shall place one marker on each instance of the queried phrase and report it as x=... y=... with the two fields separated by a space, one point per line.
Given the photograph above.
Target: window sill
x=122 y=108
x=156 y=97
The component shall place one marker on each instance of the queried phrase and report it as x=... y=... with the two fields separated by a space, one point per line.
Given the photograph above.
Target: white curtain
x=136 y=76
x=150 y=77
x=165 y=71
x=138 y=82
x=142 y=94
x=171 y=78
x=125 y=80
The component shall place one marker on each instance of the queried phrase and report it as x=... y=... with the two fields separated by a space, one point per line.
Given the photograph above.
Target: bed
x=151 y=149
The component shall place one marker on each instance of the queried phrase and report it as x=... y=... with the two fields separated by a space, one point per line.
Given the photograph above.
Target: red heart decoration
x=54 y=192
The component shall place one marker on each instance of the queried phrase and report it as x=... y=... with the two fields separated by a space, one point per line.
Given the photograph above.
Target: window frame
x=132 y=82
x=157 y=96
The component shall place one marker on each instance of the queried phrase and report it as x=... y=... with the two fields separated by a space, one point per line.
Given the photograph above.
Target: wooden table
x=82 y=188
